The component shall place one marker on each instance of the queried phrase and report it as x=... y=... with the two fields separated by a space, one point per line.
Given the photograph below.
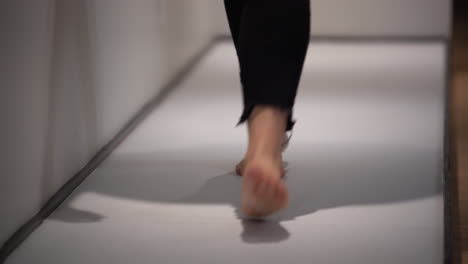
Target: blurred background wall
x=372 y=18
x=73 y=72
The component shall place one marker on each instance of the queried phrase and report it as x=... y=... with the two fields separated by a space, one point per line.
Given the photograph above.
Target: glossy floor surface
x=364 y=171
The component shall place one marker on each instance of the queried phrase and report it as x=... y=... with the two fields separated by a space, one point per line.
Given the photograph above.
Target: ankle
x=263 y=154
x=268 y=116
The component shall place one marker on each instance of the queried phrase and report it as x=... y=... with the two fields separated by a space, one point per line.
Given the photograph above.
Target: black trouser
x=271 y=39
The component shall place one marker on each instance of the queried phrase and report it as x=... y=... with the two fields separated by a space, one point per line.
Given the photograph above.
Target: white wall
x=73 y=72
x=381 y=17
x=137 y=46
x=24 y=88
x=126 y=59
x=187 y=26
x=370 y=18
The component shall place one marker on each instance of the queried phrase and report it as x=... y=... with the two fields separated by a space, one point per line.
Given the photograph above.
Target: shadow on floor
x=319 y=177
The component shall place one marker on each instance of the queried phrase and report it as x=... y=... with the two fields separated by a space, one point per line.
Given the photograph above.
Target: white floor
x=364 y=175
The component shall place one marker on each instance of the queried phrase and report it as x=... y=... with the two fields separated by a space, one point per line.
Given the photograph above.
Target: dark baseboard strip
x=447 y=172
x=379 y=39
x=365 y=39
x=71 y=185
x=452 y=215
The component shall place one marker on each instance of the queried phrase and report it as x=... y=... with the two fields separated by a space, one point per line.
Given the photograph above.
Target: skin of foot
x=263 y=189
x=240 y=166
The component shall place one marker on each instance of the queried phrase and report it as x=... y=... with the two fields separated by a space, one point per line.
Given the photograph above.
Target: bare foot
x=263 y=190
x=241 y=165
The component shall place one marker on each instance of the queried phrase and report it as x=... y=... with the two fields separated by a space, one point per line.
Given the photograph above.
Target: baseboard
x=364 y=39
